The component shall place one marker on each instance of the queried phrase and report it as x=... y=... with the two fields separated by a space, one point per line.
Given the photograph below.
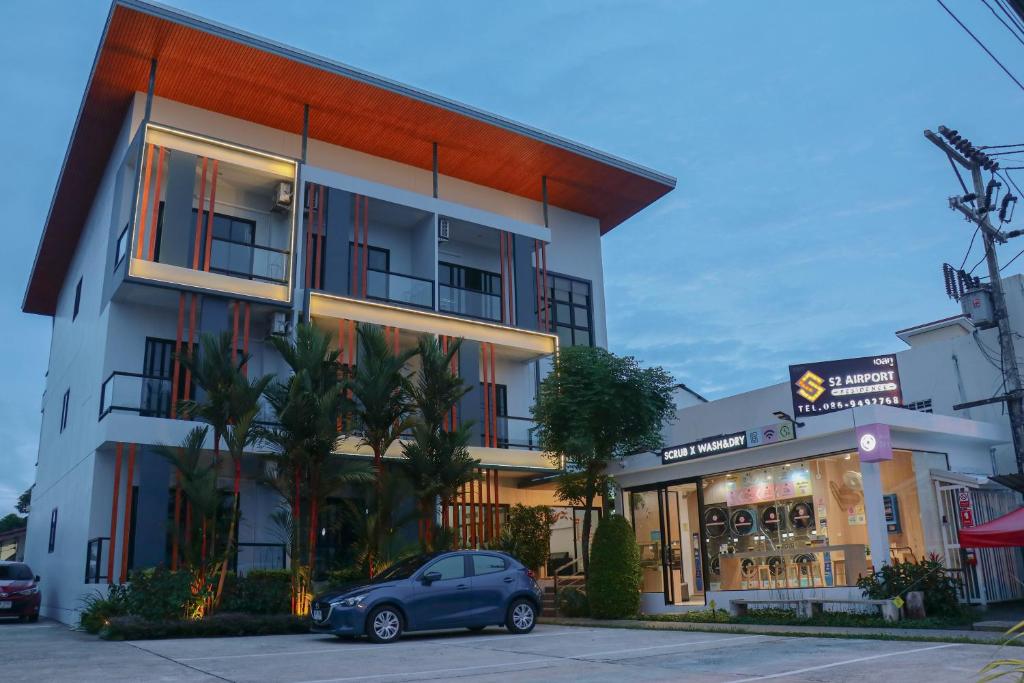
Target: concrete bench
x=807 y=608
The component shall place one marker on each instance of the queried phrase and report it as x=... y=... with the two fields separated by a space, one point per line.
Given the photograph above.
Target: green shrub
x=572 y=602
x=527 y=535
x=260 y=591
x=340 y=577
x=614 y=582
x=215 y=625
x=940 y=589
x=99 y=609
x=160 y=593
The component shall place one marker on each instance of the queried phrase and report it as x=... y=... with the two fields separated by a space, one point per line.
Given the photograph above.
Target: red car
x=19 y=591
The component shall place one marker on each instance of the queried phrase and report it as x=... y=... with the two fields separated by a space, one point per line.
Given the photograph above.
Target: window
x=53 y=530
x=234 y=250
x=469 y=291
x=571 y=311
x=121 y=248
x=452 y=567
x=378 y=260
x=78 y=299
x=487 y=564
x=157 y=379
x=500 y=399
x=924 y=406
x=64 y=410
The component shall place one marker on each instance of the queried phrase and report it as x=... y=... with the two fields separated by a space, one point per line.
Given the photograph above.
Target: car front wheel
x=522 y=617
x=384 y=625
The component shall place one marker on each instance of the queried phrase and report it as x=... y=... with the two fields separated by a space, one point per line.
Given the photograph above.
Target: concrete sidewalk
x=924 y=634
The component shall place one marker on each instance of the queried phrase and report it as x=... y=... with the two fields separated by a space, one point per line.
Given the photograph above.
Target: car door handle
x=508 y=579
x=462 y=587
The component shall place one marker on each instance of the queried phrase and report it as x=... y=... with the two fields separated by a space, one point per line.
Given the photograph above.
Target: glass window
x=571 y=311
x=902 y=508
x=793 y=525
x=452 y=567
x=487 y=564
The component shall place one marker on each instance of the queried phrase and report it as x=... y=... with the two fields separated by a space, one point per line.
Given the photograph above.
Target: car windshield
x=403 y=570
x=15 y=572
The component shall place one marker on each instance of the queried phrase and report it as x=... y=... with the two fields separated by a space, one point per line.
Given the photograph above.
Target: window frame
x=64 y=409
x=466 y=567
x=78 y=299
x=52 y=543
x=571 y=324
x=474 y=556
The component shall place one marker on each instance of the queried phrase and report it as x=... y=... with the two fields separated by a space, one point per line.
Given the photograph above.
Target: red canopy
x=1002 y=532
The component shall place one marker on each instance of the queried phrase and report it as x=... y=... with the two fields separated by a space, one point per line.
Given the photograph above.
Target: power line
x=1003 y=22
x=970 y=246
x=958 y=177
x=999 y=146
x=1007 y=264
x=1012 y=16
x=981 y=44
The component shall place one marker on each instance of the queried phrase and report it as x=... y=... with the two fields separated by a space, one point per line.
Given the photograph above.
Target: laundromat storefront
x=792 y=525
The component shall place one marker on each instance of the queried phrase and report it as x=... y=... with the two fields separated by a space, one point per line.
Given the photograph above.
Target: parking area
x=50 y=652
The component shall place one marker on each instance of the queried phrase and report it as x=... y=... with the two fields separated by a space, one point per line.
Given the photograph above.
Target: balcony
x=396 y=288
x=470 y=303
x=211 y=216
x=517 y=432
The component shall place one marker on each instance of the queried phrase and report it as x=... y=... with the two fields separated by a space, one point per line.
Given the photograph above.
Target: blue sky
x=809 y=220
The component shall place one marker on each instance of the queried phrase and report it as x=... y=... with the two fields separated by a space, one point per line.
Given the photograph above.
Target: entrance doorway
x=667 y=525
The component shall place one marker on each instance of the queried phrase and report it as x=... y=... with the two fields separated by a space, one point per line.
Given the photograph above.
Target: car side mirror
x=431 y=577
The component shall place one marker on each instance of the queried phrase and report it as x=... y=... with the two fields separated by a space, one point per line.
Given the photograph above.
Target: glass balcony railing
x=400 y=289
x=517 y=432
x=145 y=395
x=470 y=303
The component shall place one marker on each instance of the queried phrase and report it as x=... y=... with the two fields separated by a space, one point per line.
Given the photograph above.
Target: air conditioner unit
x=444 y=229
x=278 y=324
x=283 y=195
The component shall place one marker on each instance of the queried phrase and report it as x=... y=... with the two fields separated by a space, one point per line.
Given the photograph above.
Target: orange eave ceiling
x=217 y=68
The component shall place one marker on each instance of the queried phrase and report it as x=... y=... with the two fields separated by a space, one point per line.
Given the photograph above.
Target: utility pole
x=974 y=160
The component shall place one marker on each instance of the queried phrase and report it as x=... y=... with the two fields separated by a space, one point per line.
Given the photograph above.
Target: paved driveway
x=50 y=652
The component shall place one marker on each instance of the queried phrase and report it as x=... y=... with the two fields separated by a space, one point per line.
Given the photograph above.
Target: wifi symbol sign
x=769 y=434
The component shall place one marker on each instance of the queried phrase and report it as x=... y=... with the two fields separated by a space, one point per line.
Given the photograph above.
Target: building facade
x=218 y=182
x=745 y=503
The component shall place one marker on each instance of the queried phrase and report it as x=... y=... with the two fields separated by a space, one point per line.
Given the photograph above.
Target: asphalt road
x=50 y=652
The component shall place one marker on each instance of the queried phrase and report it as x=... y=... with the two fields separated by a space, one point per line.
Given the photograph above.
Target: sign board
x=727 y=443
x=874 y=442
x=820 y=388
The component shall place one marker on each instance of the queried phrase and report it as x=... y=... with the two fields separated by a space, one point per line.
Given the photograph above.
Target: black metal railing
x=386 y=285
x=516 y=432
x=470 y=303
x=261 y=262
x=135 y=392
x=249 y=556
x=95 y=566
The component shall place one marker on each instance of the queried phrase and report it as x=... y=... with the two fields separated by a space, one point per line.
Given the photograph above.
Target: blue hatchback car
x=459 y=589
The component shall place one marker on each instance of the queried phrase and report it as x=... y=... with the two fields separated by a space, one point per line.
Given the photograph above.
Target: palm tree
x=382 y=405
x=437 y=461
x=309 y=407
x=230 y=406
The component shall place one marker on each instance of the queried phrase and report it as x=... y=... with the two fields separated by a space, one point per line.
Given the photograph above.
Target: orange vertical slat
x=497 y=505
x=490 y=509
x=213 y=211
x=112 y=543
x=199 y=218
x=307 y=231
x=494 y=400
x=547 y=290
x=536 y=280
x=144 y=206
x=464 y=523
x=354 y=259
x=127 y=512
x=176 y=368
x=177 y=520
x=487 y=394
x=154 y=221
x=191 y=344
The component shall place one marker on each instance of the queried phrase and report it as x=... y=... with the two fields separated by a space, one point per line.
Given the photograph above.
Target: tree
x=437 y=461
x=230 y=406
x=593 y=408
x=12 y=521
x=613 y=589
x=383 y=407
x=24 y=503
x=309 y=408
x=527 y=534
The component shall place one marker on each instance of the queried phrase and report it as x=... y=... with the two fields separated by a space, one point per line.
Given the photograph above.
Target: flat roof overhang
x=224 y=70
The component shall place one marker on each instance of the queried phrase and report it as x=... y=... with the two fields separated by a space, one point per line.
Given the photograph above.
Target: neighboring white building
x=217 y=181
x=790 y=518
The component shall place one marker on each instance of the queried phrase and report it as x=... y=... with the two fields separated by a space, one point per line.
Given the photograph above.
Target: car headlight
x=349 y=602
x=28 y=591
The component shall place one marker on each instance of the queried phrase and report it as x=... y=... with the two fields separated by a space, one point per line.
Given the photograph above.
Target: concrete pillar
x=874 y=509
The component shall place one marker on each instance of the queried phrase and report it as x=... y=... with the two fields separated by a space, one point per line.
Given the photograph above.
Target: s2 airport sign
x=826 y=387
x=727 y=443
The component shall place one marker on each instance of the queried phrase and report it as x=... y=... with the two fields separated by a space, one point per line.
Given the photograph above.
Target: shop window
x=794 y=525
x=902 y=508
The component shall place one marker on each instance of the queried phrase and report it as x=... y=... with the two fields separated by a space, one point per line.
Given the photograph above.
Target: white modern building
x=743 y=503
x=219 y=181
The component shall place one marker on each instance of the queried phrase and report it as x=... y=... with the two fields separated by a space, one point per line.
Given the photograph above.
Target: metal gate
x=998 y=573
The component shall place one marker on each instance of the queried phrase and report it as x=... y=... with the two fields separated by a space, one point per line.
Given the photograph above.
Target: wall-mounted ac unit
x=278 y=324
x=444 y=229
x=283 y=195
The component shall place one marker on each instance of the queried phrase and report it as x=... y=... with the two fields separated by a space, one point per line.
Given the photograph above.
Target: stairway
x=549 y=603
